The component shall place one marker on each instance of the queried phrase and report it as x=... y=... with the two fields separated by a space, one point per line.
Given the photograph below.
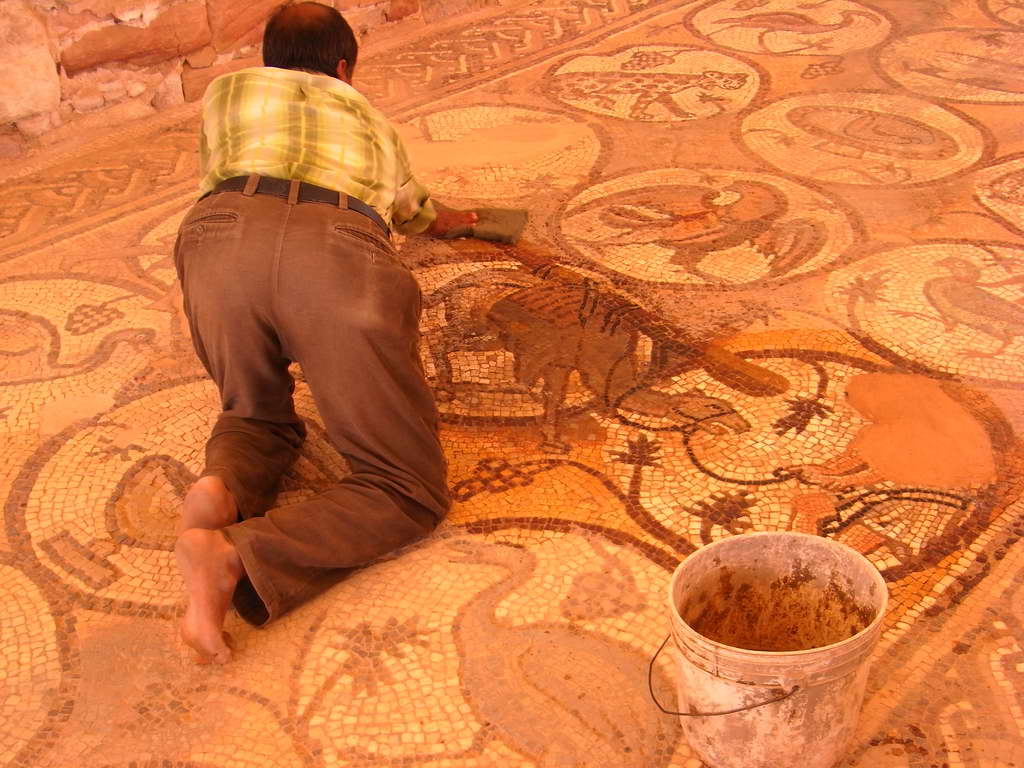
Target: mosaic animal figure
x=978 y=71
x=603 y=89
x=850 y=132
x=553 y=329
x=1009 y=188
x=34 y=350
x=771 y=22
x=588 y=687
x=694 y=221
x=960 y=299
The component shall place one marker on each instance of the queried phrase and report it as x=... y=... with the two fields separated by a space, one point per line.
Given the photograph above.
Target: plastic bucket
x=773 y=633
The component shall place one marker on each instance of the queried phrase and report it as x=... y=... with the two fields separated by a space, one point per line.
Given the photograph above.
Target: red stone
x=234 y=23
x=181 y=29
x=400 y=9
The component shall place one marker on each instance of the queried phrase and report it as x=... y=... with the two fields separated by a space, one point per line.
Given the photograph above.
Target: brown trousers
x=267 y=282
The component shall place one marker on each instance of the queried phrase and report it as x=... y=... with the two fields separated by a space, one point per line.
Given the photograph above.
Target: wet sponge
x=502 y=225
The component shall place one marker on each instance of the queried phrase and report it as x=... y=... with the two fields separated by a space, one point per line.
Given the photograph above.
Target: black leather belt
x=308 y=193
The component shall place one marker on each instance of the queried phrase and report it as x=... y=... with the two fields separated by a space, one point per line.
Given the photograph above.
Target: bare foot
x=208 y=504
x=212 y=568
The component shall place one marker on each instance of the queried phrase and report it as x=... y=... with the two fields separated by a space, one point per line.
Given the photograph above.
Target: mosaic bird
x=695 y=221
x=787 y=21
x=960 y=300
x=978 y=71
x=558 y=694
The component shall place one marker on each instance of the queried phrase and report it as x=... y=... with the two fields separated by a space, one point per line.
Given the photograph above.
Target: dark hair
x=309 y=36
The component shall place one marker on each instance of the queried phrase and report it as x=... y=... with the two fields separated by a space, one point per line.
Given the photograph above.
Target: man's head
x=313 y=37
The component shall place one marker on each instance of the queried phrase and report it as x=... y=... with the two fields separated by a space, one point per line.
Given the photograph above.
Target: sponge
x=501 y=225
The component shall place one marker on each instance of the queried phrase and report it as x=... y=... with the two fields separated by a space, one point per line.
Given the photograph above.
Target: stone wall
x=70 y=62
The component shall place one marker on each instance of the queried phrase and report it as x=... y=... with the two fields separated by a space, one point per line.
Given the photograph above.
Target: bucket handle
x=654 y=698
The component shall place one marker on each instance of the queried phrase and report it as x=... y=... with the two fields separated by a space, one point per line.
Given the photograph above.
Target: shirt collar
x=299 y=77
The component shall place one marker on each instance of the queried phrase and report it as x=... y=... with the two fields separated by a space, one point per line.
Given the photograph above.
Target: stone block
x=122 y=10
x=65 y=26
x=179 y=30
x=237 y=22
x=194 y=81
x=30 y=83
x=400 y=9
x=202 y=58
x=88 y=100
x=365 y=19
x=169 y=93
x=36 y=125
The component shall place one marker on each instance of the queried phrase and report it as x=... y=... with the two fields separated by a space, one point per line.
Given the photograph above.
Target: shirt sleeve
x=413 y=210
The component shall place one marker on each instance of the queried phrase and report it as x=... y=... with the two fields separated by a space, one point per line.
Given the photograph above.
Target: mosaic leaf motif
x=368 y=649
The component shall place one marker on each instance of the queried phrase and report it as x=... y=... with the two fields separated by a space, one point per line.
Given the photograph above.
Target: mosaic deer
x=555 y=327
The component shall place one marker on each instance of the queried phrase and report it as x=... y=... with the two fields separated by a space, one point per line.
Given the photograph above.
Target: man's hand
x=452 y=223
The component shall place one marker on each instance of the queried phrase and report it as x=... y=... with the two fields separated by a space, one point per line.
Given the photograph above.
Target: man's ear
x=343 y=73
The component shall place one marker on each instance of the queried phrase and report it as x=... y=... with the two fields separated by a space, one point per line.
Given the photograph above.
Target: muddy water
x=762 y=611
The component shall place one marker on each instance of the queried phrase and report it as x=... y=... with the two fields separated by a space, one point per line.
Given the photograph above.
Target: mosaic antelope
x=603 y=89
x=561 y=323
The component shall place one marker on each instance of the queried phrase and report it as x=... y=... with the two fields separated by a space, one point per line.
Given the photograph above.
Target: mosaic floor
x=773 y=280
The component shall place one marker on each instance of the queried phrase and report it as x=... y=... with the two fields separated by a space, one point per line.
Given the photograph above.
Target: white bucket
x=773 y=632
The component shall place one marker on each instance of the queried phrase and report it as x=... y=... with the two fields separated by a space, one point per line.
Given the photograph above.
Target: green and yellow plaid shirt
x=290 y=124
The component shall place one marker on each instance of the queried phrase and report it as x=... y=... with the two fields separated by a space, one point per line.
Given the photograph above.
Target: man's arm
x=414 y=212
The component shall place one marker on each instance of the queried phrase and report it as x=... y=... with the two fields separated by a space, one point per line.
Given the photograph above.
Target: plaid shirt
x=290 y=124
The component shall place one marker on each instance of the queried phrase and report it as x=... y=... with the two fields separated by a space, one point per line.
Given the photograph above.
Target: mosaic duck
x=960 y=299
x=769 y=22
x=695 y=221
x=558 y=694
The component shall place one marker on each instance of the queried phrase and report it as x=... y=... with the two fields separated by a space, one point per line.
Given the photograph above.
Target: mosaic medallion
x=512 y=346
x=701 y=334
x=31 y=659
x=790 y=27
x=55 y=327
x=709 y=226
x=999 y=189
x=65 y=338
x=576 y=621
x=864 y=137
x=499 y=152
x=99 y=507
x=656 y=83
x=977 y=65
x=1007 y=11
x=956 y=307
x=842 y=454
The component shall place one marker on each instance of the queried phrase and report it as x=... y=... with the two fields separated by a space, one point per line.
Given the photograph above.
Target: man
x=288 y=257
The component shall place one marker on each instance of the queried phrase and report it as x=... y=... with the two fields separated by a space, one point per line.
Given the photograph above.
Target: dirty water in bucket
x=759 y=610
